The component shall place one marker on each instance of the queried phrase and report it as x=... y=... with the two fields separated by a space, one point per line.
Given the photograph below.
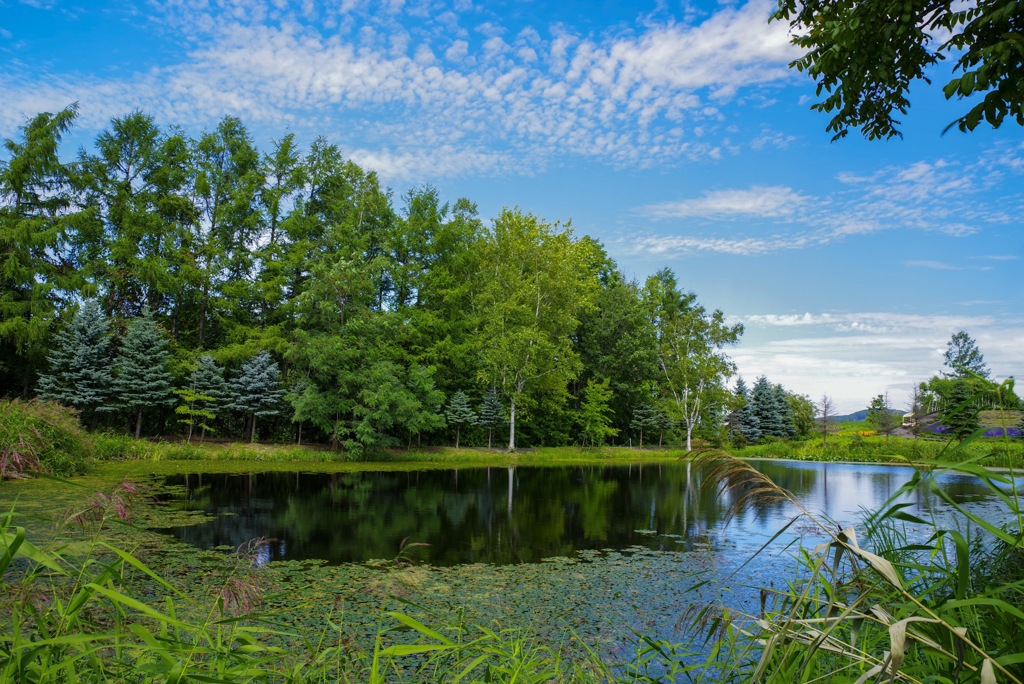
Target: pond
x=568 y=555
x=522 y=514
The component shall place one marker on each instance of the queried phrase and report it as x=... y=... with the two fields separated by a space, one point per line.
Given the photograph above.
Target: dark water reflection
x=522 y=514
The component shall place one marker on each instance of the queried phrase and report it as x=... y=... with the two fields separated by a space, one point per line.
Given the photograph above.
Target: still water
x=526 y=514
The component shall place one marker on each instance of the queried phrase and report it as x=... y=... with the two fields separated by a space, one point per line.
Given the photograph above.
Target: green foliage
x=767 y=409
x=782 y=402
x=595 y=414
x=944 y=610
x=690 y=352
x=460 y=413
x=866 y=55
x=645 y=417
x=492 y=414
x=963 y=357
x=118 y=447
x=212 y=395
x=616 y=340
x=37 y=223
x=79 y=364
x=192 y=412
x=257 y=390
x=960 y=412
x=141 y=378
x=70 y=615
x=375 y=308
x=41 y=436
x=881 y=416
x=535 y=282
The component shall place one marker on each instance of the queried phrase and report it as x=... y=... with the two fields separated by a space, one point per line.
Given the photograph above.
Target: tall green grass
x=853 y=447
x=878 y=605
x=41 y=436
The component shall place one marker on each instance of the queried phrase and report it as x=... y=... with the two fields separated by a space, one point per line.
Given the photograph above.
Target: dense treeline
x=173 y=283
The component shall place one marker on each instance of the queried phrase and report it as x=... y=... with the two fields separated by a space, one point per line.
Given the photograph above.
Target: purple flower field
x=939 y=429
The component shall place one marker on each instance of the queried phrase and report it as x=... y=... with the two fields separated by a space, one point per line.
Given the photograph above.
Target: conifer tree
x=645 y=417
x=141 y=377
x=257 y=391
x=492 y=414
x=788 y=426
x=766 y=408
x=79 y=374
x=207 y=396
x=744 y=422
x=38 y=271
x=963 y=357
x=960 y=413
x=881 y=416
x=460 y=413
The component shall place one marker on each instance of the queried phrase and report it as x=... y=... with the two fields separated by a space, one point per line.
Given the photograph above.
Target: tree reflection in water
x=469 y=516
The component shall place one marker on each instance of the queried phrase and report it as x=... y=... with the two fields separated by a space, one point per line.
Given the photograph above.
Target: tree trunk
x=138 y=423
x=457 y=430
x=689 y=433
x=252 y=430
x=512 y=425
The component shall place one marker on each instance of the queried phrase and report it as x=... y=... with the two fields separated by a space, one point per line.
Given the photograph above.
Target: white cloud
x=886 y=322
x=457 y=51
x=936 y=196
x=935 y=265
x=547 y=93
x=858 y=355
x=757 y=201
x=671 y=245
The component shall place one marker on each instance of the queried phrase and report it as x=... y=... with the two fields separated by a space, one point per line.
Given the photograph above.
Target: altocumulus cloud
x=434 y=75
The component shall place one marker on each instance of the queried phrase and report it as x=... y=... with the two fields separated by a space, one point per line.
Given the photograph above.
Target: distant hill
x=861 y=416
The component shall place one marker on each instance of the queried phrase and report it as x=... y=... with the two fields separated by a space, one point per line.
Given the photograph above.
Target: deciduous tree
x=595 y=414
x=536 y=281
x=866 y=54
x=204 y=398
x=690 y=343
x=826 y=410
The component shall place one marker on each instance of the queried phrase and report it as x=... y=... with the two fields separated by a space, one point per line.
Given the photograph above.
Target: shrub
x=41 y=436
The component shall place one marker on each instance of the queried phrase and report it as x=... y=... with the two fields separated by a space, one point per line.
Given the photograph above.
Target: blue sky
x=673 y=132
